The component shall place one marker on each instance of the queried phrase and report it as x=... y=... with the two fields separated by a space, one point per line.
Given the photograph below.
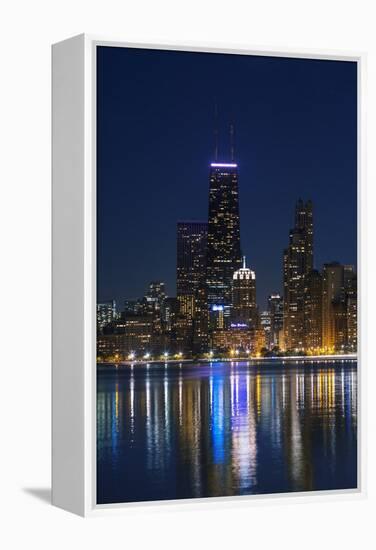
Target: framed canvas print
x=206 y=274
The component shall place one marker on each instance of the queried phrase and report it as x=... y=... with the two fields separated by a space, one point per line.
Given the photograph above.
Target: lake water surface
x=201 y=430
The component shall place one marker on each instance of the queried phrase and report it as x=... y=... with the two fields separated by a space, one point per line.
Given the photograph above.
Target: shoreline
x=284 y=359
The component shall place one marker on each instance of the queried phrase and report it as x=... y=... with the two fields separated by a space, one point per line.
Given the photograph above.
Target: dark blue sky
x=296 y=134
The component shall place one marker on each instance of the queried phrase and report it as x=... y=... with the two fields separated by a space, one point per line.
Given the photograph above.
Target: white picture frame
x=74 y=276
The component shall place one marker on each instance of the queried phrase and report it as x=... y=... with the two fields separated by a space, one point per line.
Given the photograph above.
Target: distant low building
x=232 y=339
x=258 y=340
x=123 y=337
x=133 y=307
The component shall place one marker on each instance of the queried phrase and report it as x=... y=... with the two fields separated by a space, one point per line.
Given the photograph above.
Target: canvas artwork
x=226 y=275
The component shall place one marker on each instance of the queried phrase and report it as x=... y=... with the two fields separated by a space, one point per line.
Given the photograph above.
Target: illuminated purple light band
x=223 y=165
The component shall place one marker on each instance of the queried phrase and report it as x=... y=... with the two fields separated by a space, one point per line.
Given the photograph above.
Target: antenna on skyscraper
x=232 y=144
x=216 y=131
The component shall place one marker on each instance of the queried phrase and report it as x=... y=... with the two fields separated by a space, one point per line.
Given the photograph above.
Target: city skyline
x=321 y=129
x=215 y=311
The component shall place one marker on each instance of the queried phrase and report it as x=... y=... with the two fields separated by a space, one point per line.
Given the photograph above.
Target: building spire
x=244 y=262
x=232 y=145
x=216 y=131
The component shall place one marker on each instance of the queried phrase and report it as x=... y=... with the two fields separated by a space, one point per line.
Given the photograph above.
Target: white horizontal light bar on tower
x=223 y=165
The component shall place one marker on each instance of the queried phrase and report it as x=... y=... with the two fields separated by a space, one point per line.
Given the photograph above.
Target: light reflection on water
x=225 y=429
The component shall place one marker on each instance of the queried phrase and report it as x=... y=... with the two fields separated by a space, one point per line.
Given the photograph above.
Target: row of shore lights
x=166 y=355
x=132 y=355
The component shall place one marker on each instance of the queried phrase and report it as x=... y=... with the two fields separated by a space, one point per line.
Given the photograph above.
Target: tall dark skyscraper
x=191 y=263
x=351 y=293
x=297 y=263
x=313 y=311
x=190 y=283
x=333 y=282
x=304 y=224
x=223 y=250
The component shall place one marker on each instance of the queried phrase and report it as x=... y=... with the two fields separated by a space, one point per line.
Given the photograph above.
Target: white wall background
x=27 y=30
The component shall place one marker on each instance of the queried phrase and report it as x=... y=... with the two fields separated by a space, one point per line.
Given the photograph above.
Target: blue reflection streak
x=114 y=422
x=217 y=419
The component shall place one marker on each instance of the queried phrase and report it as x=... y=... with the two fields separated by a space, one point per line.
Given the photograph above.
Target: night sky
x=295 y=136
